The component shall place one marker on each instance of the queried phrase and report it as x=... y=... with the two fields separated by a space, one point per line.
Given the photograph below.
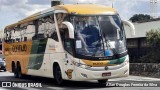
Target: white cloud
x=15 y=10
x=24 y=8
x=36 y=8
x=106 y=2
x=39 y=2
x=124 y=8
x=20 y=7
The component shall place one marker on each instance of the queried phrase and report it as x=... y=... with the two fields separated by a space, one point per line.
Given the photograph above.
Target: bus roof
x=83 y=9
x=87 y=9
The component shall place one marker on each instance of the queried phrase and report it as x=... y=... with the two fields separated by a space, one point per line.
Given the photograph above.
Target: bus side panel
x=8 y=57
x=37 y=57
x=51 y=54
x=37 y=54
x=19 y=51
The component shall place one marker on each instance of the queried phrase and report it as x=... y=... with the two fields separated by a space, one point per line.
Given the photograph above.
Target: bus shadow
x=67 y=84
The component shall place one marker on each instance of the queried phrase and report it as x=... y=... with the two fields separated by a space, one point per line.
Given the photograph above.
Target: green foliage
x=153 y=38
x=140 y=18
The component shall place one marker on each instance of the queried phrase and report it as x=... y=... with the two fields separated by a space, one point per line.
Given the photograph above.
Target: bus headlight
x=84 y=66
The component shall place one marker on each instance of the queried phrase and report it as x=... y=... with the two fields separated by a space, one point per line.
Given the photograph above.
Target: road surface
x=127 y=83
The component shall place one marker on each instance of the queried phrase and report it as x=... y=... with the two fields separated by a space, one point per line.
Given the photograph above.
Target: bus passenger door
x=69 y=67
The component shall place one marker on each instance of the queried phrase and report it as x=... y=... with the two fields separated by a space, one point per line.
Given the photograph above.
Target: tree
x=140 y=18
x=153 y=38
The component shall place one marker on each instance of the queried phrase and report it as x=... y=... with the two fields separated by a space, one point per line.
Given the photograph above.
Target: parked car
x=2 y=64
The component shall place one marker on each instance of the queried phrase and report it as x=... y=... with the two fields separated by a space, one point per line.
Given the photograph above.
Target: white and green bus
x=69 y=42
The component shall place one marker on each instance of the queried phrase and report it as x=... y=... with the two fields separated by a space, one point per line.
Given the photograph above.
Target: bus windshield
x=99 y=36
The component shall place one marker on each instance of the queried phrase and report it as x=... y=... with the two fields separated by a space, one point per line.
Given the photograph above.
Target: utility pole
x=112 y=3
x=153 y=8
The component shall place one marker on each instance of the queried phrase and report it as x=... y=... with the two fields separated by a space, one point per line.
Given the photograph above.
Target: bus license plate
x=106 y=74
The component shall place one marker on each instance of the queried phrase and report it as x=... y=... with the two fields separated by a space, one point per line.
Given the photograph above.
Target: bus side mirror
x=70 y=29
x=132 y=28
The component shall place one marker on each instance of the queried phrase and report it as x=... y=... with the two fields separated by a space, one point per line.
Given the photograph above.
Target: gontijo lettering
x=19 y=48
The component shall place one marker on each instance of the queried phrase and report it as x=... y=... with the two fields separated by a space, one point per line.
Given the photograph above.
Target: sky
x=12 y=11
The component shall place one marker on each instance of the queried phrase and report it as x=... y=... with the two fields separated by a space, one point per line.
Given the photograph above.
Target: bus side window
x=17 y=39
x=35 y=34
x=13 y=40
x=47 y=28
x=41 y=28
x=68 y=45
x=52 y=33
x=67 y=42
x=62 y=28
x=64 y=32
x=12 y=36
x=5 y=33
x=17 y=33
x=30 y=31
x=8 y=35
x=25 y=38
x=23 y=30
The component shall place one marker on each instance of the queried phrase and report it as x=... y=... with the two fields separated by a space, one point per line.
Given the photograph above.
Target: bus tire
x=57 y=74
x=19 y=72
x=14 y=70
x=102 y=81
x=15 y=73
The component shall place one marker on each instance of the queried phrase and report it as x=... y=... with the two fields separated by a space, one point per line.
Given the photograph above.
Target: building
x=137 y=45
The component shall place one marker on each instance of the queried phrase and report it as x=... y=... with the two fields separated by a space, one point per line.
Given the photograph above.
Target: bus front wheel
x=57 y=75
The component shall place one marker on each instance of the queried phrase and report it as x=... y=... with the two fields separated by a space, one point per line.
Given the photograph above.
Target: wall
x=142 y=28
x=137 y=48
x=145 y=69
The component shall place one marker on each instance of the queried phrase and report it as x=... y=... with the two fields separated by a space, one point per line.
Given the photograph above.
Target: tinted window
x=46 y=28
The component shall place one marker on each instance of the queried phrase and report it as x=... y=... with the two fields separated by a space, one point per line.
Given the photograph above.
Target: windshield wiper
x=106 y=40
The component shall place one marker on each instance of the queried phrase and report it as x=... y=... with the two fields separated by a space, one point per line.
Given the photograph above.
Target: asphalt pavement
x=8 y=82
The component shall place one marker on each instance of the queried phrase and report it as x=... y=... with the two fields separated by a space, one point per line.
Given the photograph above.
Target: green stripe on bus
x=37 y=54
x=117 y=61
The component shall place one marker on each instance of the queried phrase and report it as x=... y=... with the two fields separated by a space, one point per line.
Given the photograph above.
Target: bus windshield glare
x=99 y=36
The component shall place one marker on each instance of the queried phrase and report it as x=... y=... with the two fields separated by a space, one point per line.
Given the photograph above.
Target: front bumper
x=85 y=74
